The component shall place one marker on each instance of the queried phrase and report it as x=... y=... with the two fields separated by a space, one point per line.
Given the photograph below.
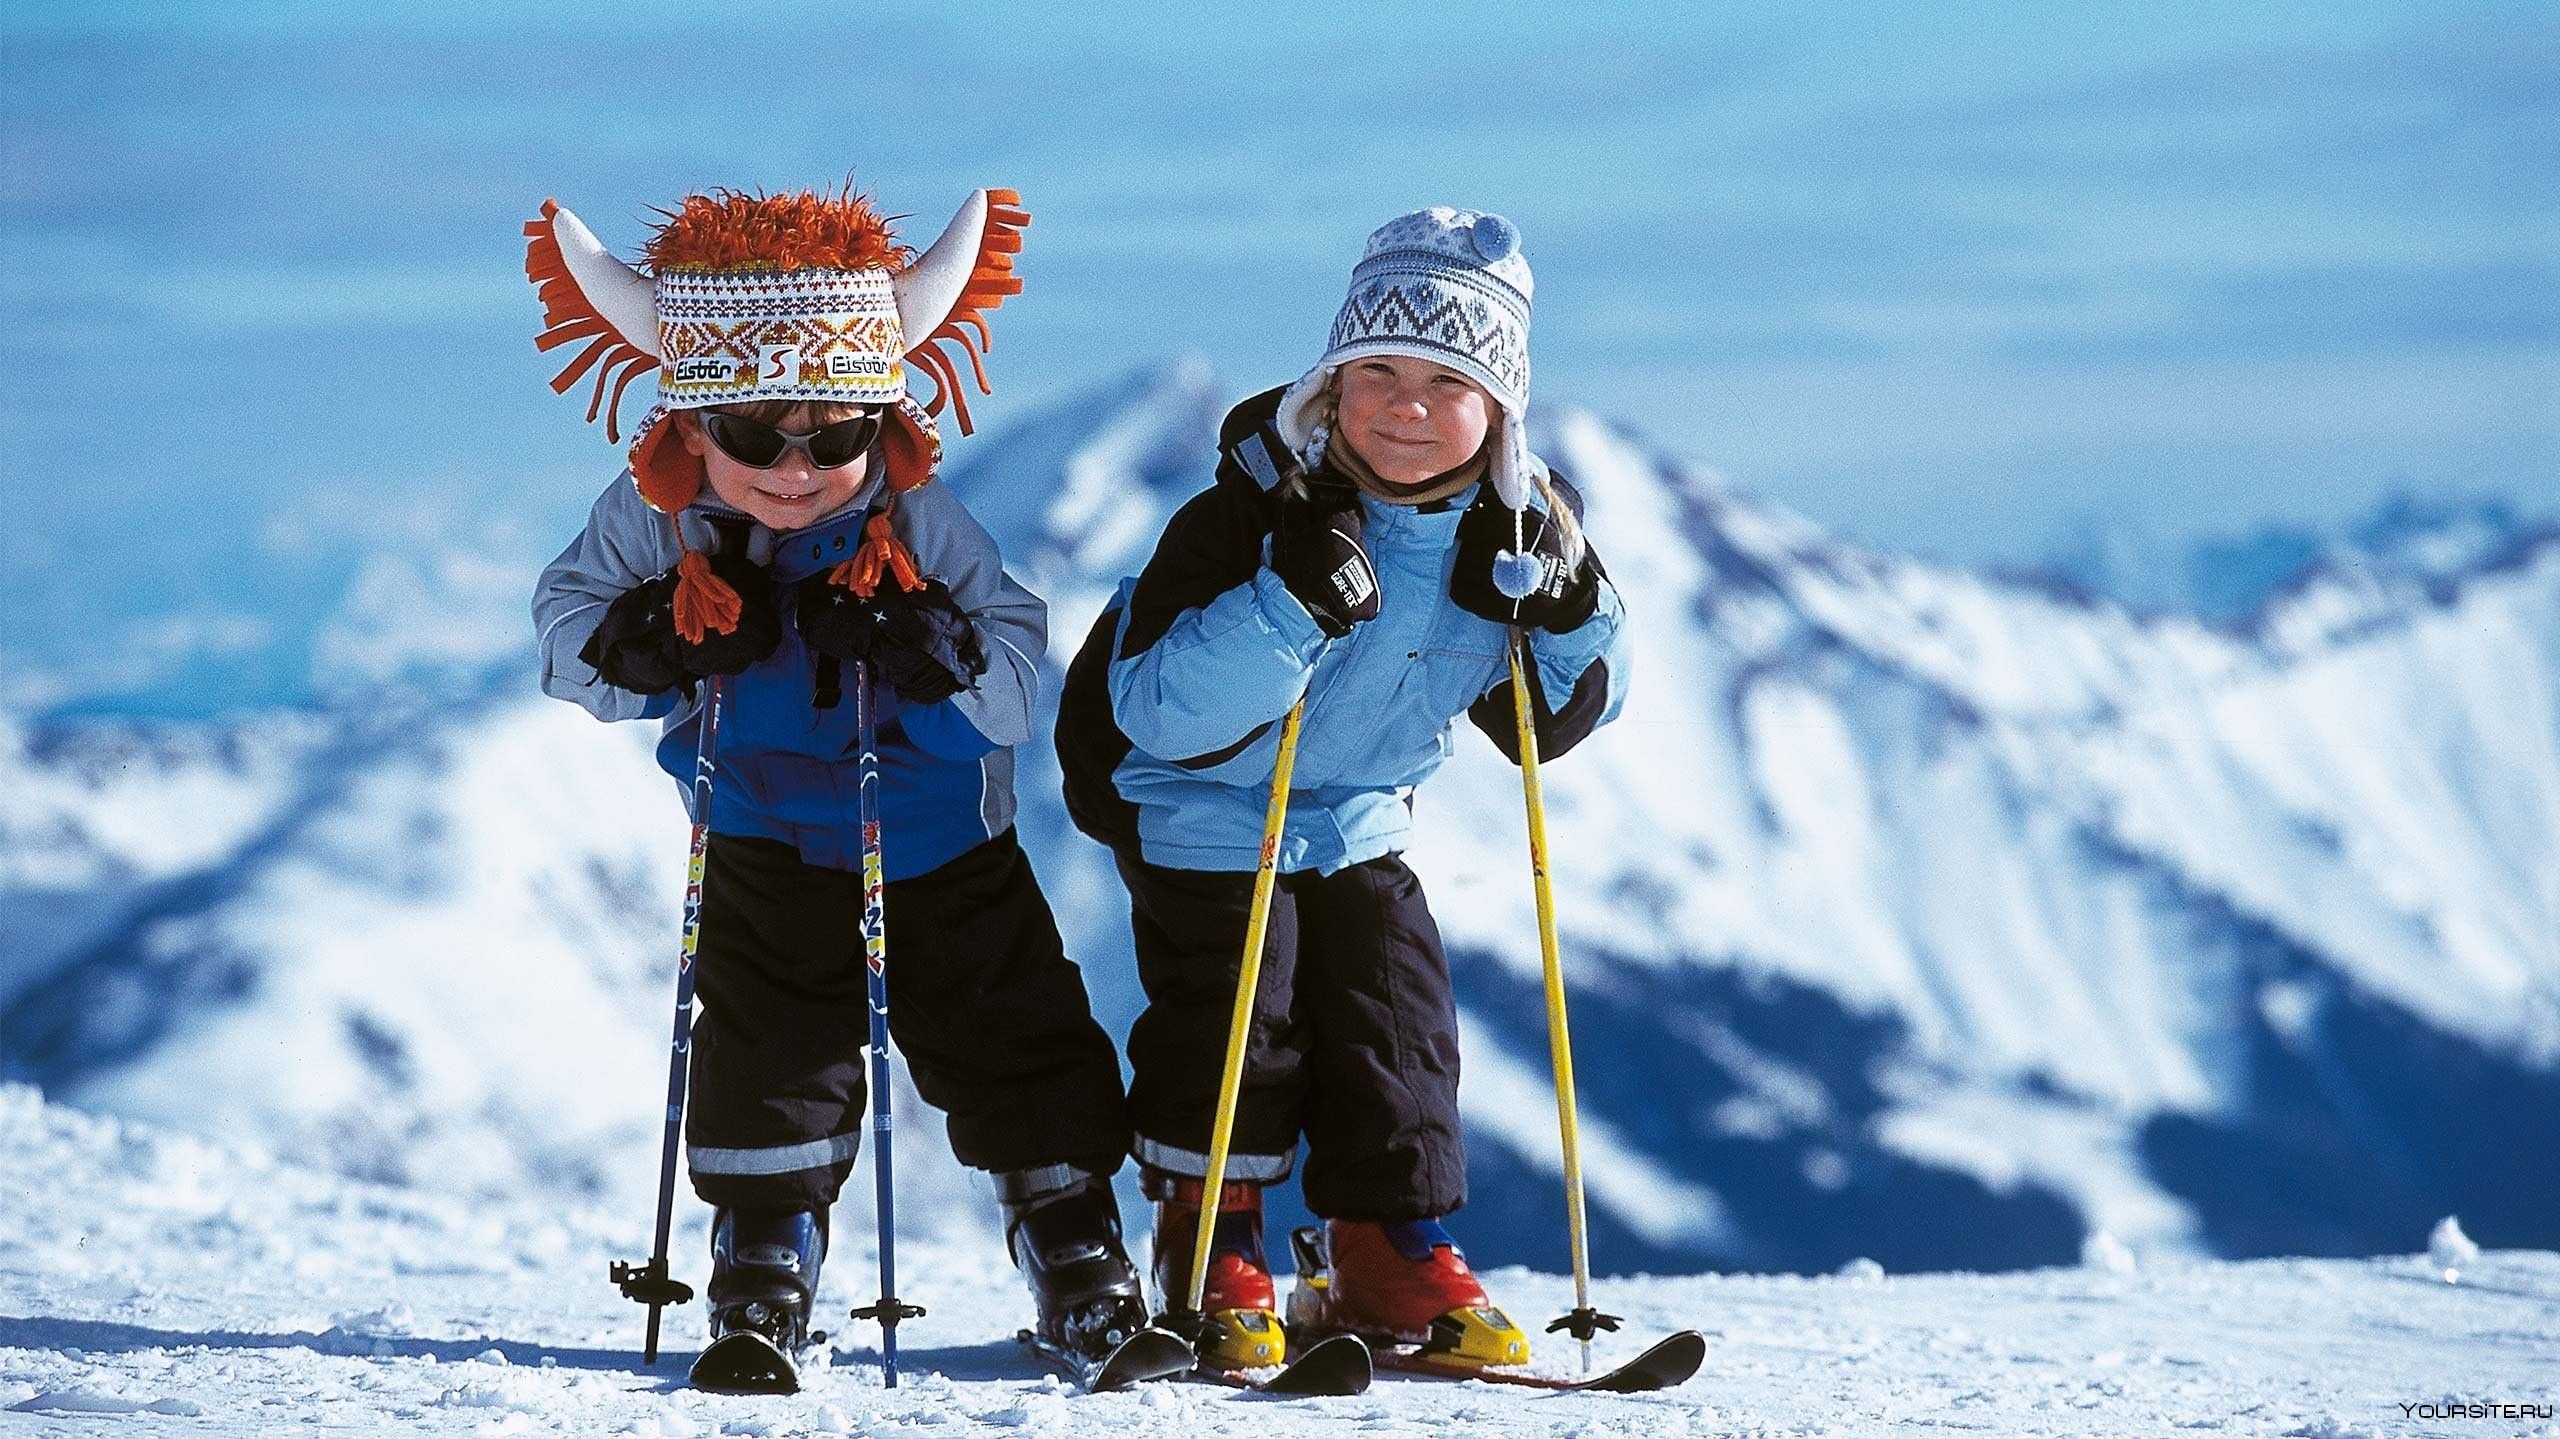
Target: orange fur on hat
x=730 y=230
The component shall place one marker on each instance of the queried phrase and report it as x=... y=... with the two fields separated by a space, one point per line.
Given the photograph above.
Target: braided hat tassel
x=881 y=553
x=704 y=601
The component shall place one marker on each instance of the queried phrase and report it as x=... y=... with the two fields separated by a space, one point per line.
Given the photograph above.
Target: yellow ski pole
x=1240 y=1027
x=1584 y=1321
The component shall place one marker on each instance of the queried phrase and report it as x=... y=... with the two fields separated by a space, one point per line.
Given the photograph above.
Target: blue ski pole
x=650 y=1283
x=875 y=956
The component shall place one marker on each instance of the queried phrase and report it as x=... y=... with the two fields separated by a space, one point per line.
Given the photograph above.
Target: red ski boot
x=1240 y=1319
x=1407 y=1282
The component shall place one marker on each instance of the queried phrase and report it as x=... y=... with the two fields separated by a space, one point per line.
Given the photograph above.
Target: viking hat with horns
x=804 y=297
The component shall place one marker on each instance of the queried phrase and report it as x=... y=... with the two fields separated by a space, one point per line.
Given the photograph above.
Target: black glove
x=1560 y=599
x=636 y=646
x=917 y=640
x=1316 y=551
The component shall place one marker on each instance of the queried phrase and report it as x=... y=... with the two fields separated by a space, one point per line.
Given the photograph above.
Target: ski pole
x=1584 y=1321
x=1240 y=1026
x=875 y=957
x=650 y=1283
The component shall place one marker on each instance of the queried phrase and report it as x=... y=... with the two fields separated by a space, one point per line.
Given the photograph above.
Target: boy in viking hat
x=778 y=520
x=1376 y=535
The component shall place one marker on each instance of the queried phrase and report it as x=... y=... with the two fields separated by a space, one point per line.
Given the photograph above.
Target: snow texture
x=157 y=1283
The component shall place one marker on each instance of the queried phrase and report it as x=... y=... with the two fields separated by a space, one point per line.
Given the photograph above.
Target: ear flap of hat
x=1303 y=410
x=668 y=475
x=909 y=447
x=1511 y=472
x=589 y=295
x=943 y=297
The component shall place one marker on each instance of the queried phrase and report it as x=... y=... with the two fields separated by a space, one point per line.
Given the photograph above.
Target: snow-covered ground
x=158 y=1282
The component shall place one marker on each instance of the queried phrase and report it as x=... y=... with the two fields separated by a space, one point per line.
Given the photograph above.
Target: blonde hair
x=1568 y=525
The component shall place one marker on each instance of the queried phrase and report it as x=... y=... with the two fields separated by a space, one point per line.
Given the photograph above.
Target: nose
x=794 y=464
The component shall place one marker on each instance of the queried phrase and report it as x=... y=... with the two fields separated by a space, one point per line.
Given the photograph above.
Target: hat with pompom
x=1445 y=285
x=797 y=297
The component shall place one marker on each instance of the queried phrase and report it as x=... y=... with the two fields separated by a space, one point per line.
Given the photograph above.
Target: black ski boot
x=764 y=1273
x=1063 y=1229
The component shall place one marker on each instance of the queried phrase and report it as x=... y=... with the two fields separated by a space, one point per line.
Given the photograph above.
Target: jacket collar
x=1433 y=525
x=791 y=554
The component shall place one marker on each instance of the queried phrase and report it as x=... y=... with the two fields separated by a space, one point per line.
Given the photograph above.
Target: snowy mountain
x=159 y=1283
x=2406 y=540
x=1909 y=913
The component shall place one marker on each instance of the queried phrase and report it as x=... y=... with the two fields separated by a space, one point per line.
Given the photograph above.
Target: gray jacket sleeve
x=1012 y=622
x=624 y=543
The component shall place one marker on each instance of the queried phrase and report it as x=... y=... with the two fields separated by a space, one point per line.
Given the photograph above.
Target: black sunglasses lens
x=744 y=440
x=840 y=444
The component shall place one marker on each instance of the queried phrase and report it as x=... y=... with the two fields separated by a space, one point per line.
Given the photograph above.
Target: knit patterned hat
x=1447 y=286
x=798 y=297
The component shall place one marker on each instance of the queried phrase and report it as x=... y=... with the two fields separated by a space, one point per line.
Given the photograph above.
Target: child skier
x=1377 y=585
x=779 y=520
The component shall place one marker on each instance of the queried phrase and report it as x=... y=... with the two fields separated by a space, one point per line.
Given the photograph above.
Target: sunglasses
x=761 y=446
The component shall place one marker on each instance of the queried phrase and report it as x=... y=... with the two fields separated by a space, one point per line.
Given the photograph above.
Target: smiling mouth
x=788 y=499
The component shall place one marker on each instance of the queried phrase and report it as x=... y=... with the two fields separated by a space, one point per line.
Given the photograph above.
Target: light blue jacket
x=1196 y=697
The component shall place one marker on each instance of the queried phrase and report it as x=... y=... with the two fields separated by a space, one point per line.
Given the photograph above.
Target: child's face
x=1409 y=418
x=788 y=496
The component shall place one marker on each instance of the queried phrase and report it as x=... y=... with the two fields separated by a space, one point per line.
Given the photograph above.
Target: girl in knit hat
x=779 y=519
x=1377 y=533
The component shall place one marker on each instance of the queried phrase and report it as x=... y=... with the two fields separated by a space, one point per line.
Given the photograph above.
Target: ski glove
x=636 y=647
x=919 y=641
x=1316 y=551
x=1558 y=598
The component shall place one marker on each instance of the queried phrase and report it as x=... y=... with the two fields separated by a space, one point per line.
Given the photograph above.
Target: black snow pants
x=1354 y=1041
x=983 y=1002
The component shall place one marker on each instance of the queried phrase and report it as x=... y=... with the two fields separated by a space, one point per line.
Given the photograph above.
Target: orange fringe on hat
x=991 y=280
x=567 y=317
x=730 y=230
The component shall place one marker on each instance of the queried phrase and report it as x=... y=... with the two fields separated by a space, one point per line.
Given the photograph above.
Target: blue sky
x=1954 y=283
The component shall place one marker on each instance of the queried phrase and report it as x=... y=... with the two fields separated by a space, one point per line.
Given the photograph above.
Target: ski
x=1670 y=1361
x=1150 y=1353
x=1337 y=1365
x=743 y=1361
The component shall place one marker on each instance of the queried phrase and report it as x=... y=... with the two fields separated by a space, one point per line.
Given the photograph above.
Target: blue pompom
x=1516 y=575
x=1495 y=238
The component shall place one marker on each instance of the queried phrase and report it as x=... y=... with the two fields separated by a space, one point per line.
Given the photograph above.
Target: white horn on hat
x=928 y=289
x=627 y=299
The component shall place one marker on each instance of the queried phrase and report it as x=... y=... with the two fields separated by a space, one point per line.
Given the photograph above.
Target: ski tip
x=744 y=1363
x=1673 y=1360
x=1337 y=1365
x=1149 y=1354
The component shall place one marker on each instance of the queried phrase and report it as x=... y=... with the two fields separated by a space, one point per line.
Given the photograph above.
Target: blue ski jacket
x=1171 y=716
x=788 y=769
